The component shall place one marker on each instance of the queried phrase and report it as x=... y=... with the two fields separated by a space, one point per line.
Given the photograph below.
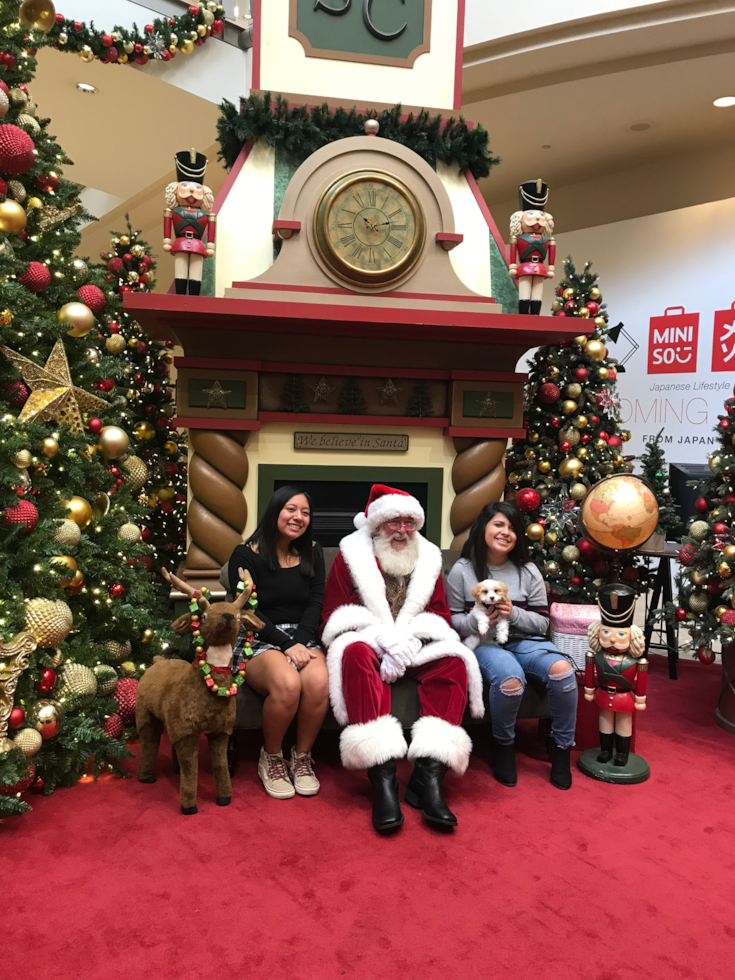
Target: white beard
x=396 y=563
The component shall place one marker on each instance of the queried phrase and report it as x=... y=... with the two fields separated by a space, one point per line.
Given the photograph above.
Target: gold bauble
x=129 y=532
x=65 y=561
x=544 y=466
x=729 y=552
x=66 y=532
x=86 y=54
x=79 y=510
x=37 y=15
x=144 y=432
x=552 y=373
x=581 y=421
x=583 y=313
x=48 y=621
x=152 y=500
x=714 y=462
x=78 y=316
x=570 y=553
x=568 y=293
x=581 y=340
x=208 y=17
x=122 y=59
x=720 y=610
x=23 y=459
x=6 y=318
x=171 y=448
x=77 y=685
x=534 y=532
x=201 y=29
x=119 y=651
x=136 y=472
x=124 y=240
x=595 y=294
x=533 y=437
x=603 y=372
x=147 y=635
x=127 y=669
x=165 y=494
x=106 y=679
x=50 y=446
x=573 y=390
x=101 y=504
x=577 y=491
x=29 y=741
x=133 y=276
x=698 y=602
x=12 y=217
x=600 y=321
x=551 y=537
x=625 y=435
x=569 y=434
x=138 y=251
x=569 y=406
x=723 y=569
x=600 y=444
x=551 y=567
x=697 y=577
x=698 y=530
x=131 y=394
x=133 y=342
x=596 y=350
x=114 y=442
x=570 y=468
x=115 y=344
x=530 y=454
x=57 y=659
x=582 y=452
x=77 y=581
x=187 y=47
x=47 y=717
x=34 y=203
x=129 y=47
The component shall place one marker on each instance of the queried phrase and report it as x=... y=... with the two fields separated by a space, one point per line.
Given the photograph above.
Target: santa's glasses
x=400 y=525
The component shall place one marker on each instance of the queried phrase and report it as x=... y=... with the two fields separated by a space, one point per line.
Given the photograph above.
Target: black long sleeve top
x=284 y=595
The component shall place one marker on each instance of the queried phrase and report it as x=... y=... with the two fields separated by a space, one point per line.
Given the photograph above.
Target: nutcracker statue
x=531 y=245
x=188 y=213
x=615 y=679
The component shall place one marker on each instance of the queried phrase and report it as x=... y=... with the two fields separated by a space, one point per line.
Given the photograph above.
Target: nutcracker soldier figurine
x=615 y=680
x=531 y=245
x=188 y=214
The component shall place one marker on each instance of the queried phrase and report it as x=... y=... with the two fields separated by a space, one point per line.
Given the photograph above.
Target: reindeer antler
x=247 y=590
x=184 y=587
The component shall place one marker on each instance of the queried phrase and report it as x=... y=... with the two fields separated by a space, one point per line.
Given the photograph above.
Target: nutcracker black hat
x=190 y=165
x=533 y=195
x=617 y=605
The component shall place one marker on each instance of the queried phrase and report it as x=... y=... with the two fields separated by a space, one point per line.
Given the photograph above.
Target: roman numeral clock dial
x=369 y=227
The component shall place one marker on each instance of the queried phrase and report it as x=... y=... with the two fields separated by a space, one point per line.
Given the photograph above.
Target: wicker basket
x=569 y=625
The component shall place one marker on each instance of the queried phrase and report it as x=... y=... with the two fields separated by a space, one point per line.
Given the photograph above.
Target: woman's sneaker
x=302 y=773
x=273 y=772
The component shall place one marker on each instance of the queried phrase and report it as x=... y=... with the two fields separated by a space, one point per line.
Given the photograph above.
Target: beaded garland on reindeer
x=200 y=656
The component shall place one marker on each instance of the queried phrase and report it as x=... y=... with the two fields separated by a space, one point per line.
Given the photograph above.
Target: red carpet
x=601 y=883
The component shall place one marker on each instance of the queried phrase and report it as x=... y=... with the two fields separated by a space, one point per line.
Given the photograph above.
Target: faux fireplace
x=340 y=492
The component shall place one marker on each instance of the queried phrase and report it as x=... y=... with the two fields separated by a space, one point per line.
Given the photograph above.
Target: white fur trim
x=334 y=666
x=372 y=743
x=435 y=738
x=347 y=617
x=391 y=506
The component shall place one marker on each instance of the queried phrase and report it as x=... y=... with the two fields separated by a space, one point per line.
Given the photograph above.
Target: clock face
x=369 y=227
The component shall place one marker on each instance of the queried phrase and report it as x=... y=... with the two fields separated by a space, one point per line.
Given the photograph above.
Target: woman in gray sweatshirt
x=496 y=549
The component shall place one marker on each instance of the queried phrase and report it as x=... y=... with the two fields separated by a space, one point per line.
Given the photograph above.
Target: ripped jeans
x=530 y=657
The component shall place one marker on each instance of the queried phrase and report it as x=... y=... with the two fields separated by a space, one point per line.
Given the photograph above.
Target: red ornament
x=587 y=550
x=560 y=313
x=23 y=513
x=593 y=307
x=199 y=41
x=172 y=469
x=565 y=447
x=92 y=296
x=148 y=28
x=106 y=41
x=95 y=426
x=217 y=27
x=17 y=393
x=706 y=656
x=145 y=533
x=16 y=150
x=114 y=726
x=580 y=373
x=141 y=348
x=46 y=183
x=24 y=783
x=687 y=554
x=614 y=442
x=728 y=617
x=3 y=187
x=725 y=424
x=631 y=574
x=59 y=18
x=8 y=60
x=720 y=529
x=604 y=435
x=584 y=439
x=77 y=25
x=138 y=48
x=163 y=422
x=555 y=422
x=17 y=717
x=527 y=500
x=37 y=786
x=193 y=10
x=124 y=694
x=612 y=374
x=680 y=614
x=548 y=393
x=716 y=586
x=115 y=265
x=594 y=420
x=46 y=681
x=114 y=327
x=701 y=506
x=165 y=56
x=167 y=508
x=107 y=384
x=117 y=591
x=576 y=581
x=36 y=278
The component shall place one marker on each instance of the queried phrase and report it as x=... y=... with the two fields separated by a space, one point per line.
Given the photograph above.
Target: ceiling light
x=724 y=101
x=640 y=127
x=546 y=146
x=88 y=89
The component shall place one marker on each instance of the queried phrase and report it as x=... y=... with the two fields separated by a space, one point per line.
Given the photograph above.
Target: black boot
x=561 y=772
x=233 y=760
x=535 y=307
x=504 y=763
x=386 y=806
x=622 y=749
x=181 y=286
x=195 y=287
x=606 y=744
x=524 y=305
x=425 y=791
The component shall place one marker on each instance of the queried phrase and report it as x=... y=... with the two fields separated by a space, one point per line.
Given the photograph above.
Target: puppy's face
x=489 y=592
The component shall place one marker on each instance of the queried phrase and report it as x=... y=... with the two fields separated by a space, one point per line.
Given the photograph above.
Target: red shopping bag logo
x=672 y=342
x=723 y=340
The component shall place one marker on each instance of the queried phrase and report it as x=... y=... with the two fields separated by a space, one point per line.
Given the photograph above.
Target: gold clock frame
x=335 y=262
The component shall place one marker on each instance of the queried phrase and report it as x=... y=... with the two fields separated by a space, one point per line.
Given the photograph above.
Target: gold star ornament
x=216 y=396
x=53 y=397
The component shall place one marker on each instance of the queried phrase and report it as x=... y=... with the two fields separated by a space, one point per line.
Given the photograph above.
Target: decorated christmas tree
x=707 y=555
x=80 y=616
x=573 y=440
x=653 y=469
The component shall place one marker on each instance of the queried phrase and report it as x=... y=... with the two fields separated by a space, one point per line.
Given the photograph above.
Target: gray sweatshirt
x=526 y=590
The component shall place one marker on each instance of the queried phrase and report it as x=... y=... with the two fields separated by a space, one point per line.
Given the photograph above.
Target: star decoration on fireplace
x=216 y=396
x=322 y=390
x=488 y=406
x=389 y=393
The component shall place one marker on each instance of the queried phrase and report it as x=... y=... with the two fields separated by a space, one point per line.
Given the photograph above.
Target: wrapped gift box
x=569 y=624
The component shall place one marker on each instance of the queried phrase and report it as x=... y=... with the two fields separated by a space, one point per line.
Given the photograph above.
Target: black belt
x=614 y=690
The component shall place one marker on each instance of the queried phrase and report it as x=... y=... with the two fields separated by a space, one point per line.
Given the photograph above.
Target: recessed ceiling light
x=84 y=87
x=546 y=146
x=640 y=127
x=724 y=101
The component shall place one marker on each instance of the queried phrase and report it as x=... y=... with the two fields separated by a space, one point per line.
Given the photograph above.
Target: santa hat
x=388 y=504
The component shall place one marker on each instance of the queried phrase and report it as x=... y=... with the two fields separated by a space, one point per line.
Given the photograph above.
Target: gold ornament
x=37 y=15
x=101 y=504
x=165 y=494
x=153 y=500
x=67 y=533
x=551 y=537
x=12 y=217
x=86 y=54
x=53 y=397
x=6 y=318
x=17 y=190
x=79 y=510
x=171 y=448
x=34 y=203
x=533 y=437
x=122 y=59
x=48 y=621
x=14 y=659
x=29 y=741
x=595 y=294
x=129 y=532
x=720 y=610
x=600 y=444
x=124 y=239
x=144 y=432
x=530 y=454
x=147 y=635
x=697 y=577
x=729 y=553
x=568 y=293
x=581 y=421
x=577 y=491
x=77 y=581
x=115 y=344
x=583 y=313
x=136 y=472
x=131 y=394
x=47 y=717
x=552 y=373
x=582 y=452
x=133 y=276
x=626 y=435
x=138 y=251
x=119 y=651
x=128 y=47
x=714 y=462
x=187 y=47
x=23 y=459
x=534 y=532
x=600 y=321
x=544 y=466
x=551 y=567
x=569 y=434
x=581 y=340
x=79 y=317
x=570 y=553
x=57 y=659
x=569 y=406
x=68 y=562
x=208 y=17
x=698 y=530
x=573 y=390
x=570 y=468
x=603 y=372
x=106 y=679
x=133 y=342
x=201 y=30
x=698 y=602
x=113 y=442
x=127 y=669
x=77 y=685
x=596 y=350
x=79 y=269
x=723 y=569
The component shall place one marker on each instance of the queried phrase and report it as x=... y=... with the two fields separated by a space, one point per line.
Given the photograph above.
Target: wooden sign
x=375 y=442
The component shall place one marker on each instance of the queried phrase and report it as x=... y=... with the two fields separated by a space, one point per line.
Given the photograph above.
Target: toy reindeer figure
x=189 y=214
x=531 y=245
x=195 y=699
x=615 y=675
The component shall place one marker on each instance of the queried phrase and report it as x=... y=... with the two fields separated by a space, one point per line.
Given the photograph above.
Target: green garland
x=301 y=130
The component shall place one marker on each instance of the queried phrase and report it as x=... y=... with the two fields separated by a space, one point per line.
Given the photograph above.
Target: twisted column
x=725 y=714
x=478 y=476
x=218 y=471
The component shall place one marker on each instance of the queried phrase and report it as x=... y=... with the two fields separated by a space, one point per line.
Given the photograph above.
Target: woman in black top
x=287 y=665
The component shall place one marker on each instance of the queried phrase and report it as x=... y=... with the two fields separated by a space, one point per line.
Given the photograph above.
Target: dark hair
x=475 y=548
x=265 y=534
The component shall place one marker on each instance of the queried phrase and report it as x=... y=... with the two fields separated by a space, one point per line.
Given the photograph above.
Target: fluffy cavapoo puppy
x=486 y=595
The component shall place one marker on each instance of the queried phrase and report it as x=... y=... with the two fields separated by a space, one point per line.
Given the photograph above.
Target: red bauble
x=23 y=783
x=576 y=581
x=36 y=278
x=22 y=513
x=172 y=469
x=217 y=27
x=687 y=554
x=38 y=785
x=92 y=296
x=612 y=374
x=47 y=680
x=127 y=257
x=593 y=307
x=614 y=442
x=631 y=574
x=77 y=25
x=565 y=447
x=107 y=384
x=716 y=586
x=115 y=265
x=141 y=348
x=124 y=694
x=594 y=420
x=728 y=617
x=580 y=373
x=555 y=422
x=584 y=439
x=106 y=41
x=114 y=327
x=167 y=508
x=139 y=48
x=117 y=591
x=163 y=422
x=148 y=28
x=604 y=435
x=560 y=313
x=17 y=393
x=145 y=533
x=114 y=726
x=548 y=393
x=587 y=550
x=142 y=59
x=165 y=55
x=16 y=150
x=701 y=506
x=17 y=717
x=706 y=656
x=3 y=187
x=193 y=10
x=570 y=305
x=720 y=529
x=527 y=500
x=680 y=614
x=4 y=87
x=95 y=426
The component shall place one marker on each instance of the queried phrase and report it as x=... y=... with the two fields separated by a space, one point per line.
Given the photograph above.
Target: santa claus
x=385 y=615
